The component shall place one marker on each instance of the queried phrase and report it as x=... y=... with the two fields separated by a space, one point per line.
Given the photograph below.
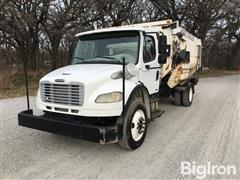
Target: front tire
x=134 y=125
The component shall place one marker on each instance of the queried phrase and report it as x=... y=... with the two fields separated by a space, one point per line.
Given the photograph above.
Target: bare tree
x=172 y=9
x=64 y=18
x=43 y=30
x=216 y=23
x=115 y=13
x=20 y=27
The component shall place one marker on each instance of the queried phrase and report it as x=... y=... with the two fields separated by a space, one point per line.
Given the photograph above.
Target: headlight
x=109 y=97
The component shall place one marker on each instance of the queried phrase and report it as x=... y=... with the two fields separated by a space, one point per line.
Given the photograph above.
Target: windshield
x=106 y=48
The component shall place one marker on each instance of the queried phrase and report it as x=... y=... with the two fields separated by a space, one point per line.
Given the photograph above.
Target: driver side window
x=149 y=49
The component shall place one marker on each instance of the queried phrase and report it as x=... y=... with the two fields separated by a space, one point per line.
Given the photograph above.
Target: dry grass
x=216 y=73
x=13 y=84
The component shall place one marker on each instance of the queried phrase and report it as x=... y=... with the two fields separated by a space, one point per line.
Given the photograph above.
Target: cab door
x=150 y=71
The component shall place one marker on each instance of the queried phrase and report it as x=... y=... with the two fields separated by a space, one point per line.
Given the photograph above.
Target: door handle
x=149 y=67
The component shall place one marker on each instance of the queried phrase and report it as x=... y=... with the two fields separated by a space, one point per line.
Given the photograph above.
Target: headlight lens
x=109 y=97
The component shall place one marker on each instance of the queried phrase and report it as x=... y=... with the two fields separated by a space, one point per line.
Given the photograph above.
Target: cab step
x=157 y=113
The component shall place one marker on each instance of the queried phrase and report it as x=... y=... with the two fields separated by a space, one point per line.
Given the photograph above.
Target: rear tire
x=187 y=96
x=134 y=125
x=177 y=98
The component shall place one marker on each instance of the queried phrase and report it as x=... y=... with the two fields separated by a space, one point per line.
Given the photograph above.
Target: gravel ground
x=209 y=130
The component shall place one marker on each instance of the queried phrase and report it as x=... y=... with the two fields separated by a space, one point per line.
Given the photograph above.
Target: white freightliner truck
x=112 y=89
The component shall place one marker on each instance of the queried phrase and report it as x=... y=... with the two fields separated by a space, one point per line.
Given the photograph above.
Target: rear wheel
x=177 y=98
x=187 y=96
x=134 y=125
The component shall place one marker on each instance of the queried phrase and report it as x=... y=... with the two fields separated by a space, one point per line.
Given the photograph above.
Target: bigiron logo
x=202 y=171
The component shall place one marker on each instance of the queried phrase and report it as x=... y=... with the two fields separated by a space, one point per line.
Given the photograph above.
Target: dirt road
x=209 y=130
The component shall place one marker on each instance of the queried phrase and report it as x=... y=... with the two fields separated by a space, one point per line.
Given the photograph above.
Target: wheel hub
x=138 y=125
x=141 y=125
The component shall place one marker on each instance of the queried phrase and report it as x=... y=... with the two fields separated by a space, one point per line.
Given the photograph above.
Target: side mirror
x=162 y=59
x=163 y=49
x=131 y=69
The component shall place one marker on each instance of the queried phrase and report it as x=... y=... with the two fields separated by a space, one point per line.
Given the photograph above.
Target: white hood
x=96 y=80
x=82 y=73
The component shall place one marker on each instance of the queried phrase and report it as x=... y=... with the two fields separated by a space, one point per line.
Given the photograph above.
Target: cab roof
x=112 y=29
x=144 y=27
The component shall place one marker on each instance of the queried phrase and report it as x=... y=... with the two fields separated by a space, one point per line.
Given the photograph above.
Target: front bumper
x=78 y=127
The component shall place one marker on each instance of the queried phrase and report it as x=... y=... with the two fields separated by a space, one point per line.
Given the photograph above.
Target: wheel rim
x=190 y=95
x=138 y=125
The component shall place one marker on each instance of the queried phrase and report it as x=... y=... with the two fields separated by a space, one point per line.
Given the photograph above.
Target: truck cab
x=95 y=74
x=111 y=90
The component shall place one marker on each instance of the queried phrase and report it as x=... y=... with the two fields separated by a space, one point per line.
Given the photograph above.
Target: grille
x=68 y=94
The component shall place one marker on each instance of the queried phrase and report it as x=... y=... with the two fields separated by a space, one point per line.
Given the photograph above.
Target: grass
x=13 y=84
x=216 y=73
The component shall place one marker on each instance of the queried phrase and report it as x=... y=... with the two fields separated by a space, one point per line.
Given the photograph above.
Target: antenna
x=123 y=89
x=26 y=81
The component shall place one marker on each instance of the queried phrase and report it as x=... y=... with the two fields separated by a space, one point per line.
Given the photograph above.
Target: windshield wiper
x=78 y=58
x=109 y=57
x=94 y=61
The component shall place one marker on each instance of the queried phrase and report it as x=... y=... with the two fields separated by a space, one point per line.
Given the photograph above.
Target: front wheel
x=134 y=125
